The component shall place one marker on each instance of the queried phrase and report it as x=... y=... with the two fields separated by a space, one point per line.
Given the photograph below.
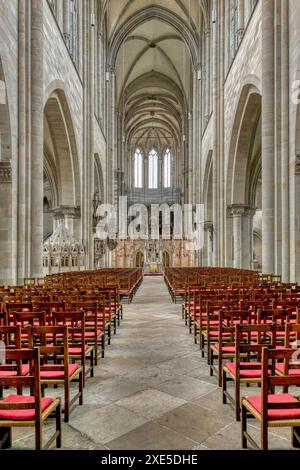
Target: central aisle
x=153 y=391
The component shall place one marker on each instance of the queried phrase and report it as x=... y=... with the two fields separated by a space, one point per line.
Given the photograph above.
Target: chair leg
x=220 y=367
x=224 y=387
x=96 y=353
x=39 y=435
x=244 y=427
x=81 y=384
x=237 y=400
x=67 y=401
x=109 y=334
x=103 y=346
x=5 y=438
x=58 y=426
x=264 y=437
x=296 y=438
x=92 y=360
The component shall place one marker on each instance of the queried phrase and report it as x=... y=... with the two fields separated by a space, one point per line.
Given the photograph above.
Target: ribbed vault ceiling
x=154 y=46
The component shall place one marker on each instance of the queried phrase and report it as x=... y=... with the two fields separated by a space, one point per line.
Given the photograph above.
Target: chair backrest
x=11 y=336
x=29 y=318
x=76 y=325
x=59 y=342
x=292 y=336
x=15 y=358
x=251 y=339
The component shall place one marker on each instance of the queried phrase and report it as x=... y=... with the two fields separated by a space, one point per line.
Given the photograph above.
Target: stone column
x=248 y=237
x=268 y=128
x=209 y=232
x=242 y=216
x=237 y=214
x=207 y=75
x=22 y=216
x=37 y=131
x=285 y=148
x=216 y=136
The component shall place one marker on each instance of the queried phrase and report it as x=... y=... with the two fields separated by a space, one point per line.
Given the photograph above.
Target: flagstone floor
x=153 y=390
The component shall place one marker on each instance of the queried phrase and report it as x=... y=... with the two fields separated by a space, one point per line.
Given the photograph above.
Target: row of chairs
x=51 y=341
x=250 y=335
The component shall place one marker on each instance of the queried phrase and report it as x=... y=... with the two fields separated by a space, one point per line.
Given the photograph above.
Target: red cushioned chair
x=222 y=345
x=81 y=343
x=28 y=411
x=246 y=368
x=56 y=369
x=269 y=409
x=94 y=326
x=10 y=336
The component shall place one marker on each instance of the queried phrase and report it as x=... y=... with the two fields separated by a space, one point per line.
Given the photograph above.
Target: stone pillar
x=207 y=75
x=285 y=148
x=216 y=137
x=22 y=189
x=37 y=130
x=209 y=236
x=248 y=237
x=268 y=128
x=237 y=214
x=242 y=216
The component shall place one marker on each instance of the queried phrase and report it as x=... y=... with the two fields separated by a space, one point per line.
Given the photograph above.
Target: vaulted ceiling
x=154 y=47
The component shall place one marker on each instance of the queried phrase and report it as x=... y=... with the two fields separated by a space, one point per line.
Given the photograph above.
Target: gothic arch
x=246 y=125
x=5 y=123
x=61 y=148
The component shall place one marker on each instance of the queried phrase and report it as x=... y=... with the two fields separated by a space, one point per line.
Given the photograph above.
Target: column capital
x=5 y=172
x=208 y=226
x=238 y=210
x=71 y=212
x=297 y=165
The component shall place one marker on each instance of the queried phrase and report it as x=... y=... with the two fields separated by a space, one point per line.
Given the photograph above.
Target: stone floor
x=153 y=390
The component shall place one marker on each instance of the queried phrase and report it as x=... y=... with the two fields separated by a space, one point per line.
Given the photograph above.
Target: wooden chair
x=56 y=369
x=79 y=348
x=246 y=368
x=269 y=409
x=223 y=345
x=28 y=411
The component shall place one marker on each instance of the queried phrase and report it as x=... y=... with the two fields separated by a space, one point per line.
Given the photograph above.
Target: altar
x=154 y=267
x=153 y=255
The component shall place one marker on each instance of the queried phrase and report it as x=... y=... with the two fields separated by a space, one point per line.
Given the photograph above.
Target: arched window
x=138 y=169
x=167 y=169
x=153 y=169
